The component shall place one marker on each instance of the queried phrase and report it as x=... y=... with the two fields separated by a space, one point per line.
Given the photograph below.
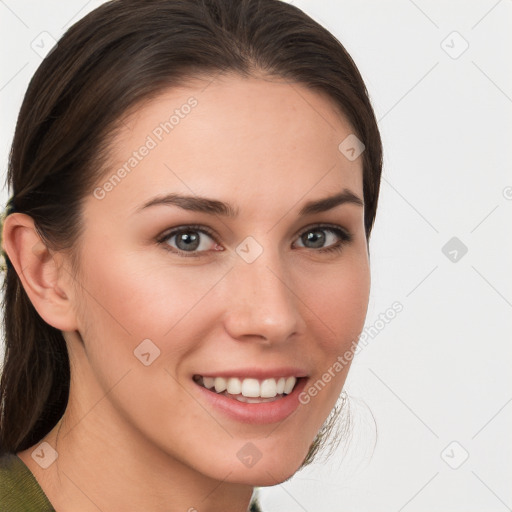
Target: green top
x=20 y=491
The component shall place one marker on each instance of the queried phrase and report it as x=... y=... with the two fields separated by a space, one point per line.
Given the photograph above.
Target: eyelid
x=326 y=225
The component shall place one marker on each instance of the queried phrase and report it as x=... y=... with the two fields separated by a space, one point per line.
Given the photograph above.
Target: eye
x=189 y=241
x=316 y=237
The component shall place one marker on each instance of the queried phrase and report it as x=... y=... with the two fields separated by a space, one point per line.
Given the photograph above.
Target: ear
x=43 y=276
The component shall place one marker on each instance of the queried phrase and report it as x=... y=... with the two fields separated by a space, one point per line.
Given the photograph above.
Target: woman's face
x=258 y=289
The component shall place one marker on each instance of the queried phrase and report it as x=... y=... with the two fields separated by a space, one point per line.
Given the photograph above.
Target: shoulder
x=19 y=490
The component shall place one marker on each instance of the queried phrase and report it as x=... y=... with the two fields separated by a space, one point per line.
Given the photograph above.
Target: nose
x=262 y=302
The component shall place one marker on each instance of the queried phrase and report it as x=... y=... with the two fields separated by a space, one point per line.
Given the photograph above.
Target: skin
x=133 y=437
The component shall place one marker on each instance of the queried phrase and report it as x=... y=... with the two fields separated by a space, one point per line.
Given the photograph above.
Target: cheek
x=136 y=299
x=340 y=306
x=130 y=294
x=127 y=303
x=340 y=300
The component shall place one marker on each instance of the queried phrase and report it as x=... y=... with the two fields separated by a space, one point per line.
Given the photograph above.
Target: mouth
x=249 y=390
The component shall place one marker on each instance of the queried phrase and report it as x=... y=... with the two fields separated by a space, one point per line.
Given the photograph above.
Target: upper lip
x=257 y=373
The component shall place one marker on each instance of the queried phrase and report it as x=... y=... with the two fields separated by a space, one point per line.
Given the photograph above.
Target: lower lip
x=258 y=414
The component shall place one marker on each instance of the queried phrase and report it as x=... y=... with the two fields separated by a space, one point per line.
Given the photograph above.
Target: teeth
x=290 y=382
x=220 y=384
x=208 y=382
x=269 y=389
x=234 y=386
x=250 y=388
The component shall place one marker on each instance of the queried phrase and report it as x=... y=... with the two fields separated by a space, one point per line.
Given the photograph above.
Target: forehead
x=233 y=136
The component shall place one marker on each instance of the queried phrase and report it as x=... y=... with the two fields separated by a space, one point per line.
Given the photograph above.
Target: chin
x=265 y=474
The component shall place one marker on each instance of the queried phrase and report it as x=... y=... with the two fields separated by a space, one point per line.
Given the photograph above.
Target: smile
x=249 y=390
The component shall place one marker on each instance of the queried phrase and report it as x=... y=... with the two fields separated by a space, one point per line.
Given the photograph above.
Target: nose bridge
x=262 y=303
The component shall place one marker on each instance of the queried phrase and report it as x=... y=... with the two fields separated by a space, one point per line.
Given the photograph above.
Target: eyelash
x=344 y=235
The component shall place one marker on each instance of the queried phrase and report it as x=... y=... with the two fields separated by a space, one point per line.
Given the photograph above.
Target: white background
x=439 y=372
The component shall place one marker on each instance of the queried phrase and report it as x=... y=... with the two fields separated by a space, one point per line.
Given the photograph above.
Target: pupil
x=317 y=237
x=191 y=241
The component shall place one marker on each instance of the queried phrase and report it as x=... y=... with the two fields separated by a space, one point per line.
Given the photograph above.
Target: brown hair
x=120 y=54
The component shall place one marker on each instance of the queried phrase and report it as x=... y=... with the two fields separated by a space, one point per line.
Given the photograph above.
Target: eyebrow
x=216 y=207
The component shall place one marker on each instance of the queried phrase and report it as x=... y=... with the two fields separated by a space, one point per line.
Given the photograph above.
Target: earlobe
x=46 y=283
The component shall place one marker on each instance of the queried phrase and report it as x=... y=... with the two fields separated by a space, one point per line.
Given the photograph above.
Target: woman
x=194 y=187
